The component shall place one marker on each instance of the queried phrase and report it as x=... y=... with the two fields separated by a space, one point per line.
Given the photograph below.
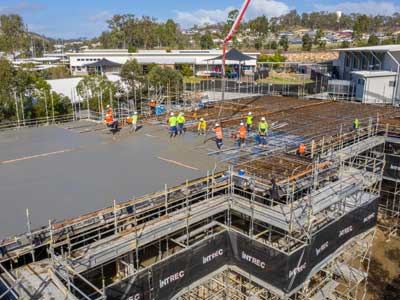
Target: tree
x=57 y=72
x=186 y=71
x=97 y=89
x=318 y=35
x=206 y=41
x=132 y=74
x=171 y=33
x=7 y=89
x=277 y=57
x=166 y=78
x=345 y=44
x=274 y=45
x=373 y=40
x=307 y=44
x=284 y=43
x=13 y=34
x=361 y=25
x=260 y=26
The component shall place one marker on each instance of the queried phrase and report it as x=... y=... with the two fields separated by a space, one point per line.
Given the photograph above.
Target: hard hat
x=201 y=119
x=216 y=125
x=108 y=105
x=241 y=123
x=172 y=114
x=135 y=113
x=262 y=119
x=181 y=113
x=249 y=113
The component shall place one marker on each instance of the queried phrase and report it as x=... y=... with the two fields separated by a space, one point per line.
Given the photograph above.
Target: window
x=360 y=81
x=347 y=61
x=78 y=59
x=392 y=83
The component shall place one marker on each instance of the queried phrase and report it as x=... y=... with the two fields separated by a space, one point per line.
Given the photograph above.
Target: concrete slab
x=96 y=169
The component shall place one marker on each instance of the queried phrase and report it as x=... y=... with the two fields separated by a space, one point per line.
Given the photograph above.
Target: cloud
x=22 y=7
x=100 y=17
x=270 y=8
x=367 y=7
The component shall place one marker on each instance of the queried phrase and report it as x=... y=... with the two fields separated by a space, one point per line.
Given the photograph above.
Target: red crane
x=229 y=37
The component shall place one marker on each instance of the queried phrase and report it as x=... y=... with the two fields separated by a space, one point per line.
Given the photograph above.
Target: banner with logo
x=136 y=287
x=282 y=271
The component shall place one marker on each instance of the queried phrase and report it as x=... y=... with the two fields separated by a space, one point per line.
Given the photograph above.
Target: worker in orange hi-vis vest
x=218 y=135
x=111 y=123
x=242 y=135
x=302 y=150
x=109 y=110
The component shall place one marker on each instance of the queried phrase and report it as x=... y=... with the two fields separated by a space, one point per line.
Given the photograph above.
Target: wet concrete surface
x=97 y=169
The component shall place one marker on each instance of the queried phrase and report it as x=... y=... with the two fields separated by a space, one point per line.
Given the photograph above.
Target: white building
x=374 y=86
x=198 y=59
x=363 y=66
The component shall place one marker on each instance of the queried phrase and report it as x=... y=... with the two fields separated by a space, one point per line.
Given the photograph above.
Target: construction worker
x=263 y=131
x=181 y=123
x=134 y=118
x=202 y=127
x=356 y=124
x=153 y=106
x=111 y=123
x=172 y=125
x=301 y=150
x=242 y=135
x=109 y=110
x=249 y=121
x=218 y=135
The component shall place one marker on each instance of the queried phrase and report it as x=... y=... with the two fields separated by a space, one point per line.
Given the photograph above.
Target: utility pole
x=22 y=109
x=52 y=105
x=16 y=107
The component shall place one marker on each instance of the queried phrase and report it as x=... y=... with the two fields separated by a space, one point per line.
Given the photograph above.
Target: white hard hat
x=181 y=113
x=216 y=124
x=172 y=114
x=241 y=123
x=249 y=113
x=262 y=119
x=135 y=113
x=108 y=105
x=201 y=119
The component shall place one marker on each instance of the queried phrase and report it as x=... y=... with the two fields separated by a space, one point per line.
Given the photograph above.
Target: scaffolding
x=311 y=197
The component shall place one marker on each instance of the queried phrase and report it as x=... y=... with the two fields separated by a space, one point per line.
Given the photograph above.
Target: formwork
x=286 y=238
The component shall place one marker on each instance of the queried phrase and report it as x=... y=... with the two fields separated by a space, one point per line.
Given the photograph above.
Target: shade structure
x=103 y=63
x=234 y=55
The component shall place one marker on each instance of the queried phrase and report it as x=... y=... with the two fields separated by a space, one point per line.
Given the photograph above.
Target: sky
x=87 y=18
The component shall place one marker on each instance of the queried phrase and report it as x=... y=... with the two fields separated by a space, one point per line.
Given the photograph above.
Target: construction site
x=239 y=223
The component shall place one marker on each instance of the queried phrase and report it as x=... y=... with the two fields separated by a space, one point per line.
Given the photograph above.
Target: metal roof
x=374 y=73
x=103 y=63
x=380 y=48
x=234 y=55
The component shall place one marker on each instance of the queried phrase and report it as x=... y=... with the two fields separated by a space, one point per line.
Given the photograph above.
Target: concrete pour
x=96 y=169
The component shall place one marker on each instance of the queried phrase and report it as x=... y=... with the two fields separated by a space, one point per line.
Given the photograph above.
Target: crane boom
x=229 y=37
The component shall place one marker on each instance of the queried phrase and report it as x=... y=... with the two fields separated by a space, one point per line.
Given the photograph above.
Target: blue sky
x=86 y=18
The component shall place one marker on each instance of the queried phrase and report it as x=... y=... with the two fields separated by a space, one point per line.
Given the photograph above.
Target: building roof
x=380 y=48
x=103 y=63
x=234 y=55
x=367 y=74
